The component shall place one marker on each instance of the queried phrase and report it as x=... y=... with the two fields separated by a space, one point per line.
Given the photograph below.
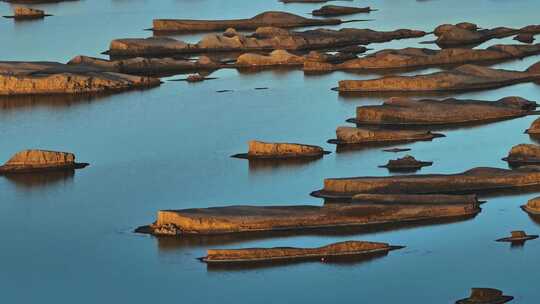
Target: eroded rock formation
x=337 y=10
x=40 y=160
x=534 y=129
x=523 y=154
x=477 y=180
x=485 y=295
x=264 y=150
x=532 y=206
x=406 y=163
x=275 y=58
x=350 y=135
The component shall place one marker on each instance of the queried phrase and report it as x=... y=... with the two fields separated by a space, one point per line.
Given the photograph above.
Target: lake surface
x=68 y=238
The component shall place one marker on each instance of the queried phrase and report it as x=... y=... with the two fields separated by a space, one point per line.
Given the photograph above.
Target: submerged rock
x=347 y=248
x=477 y=180
x=485 y=296
x=32 y=78
x=235 y=219
x=523 y=154
x=406 y=163
x=40 y=160
x=264 y=39
x=534 y=128
x=532 y=206
x=350 y=135
x=525 y=38
x=415 y=199
x=518 y=236
x=398 y=111
x=420 y=57
x=264 y=150
x=275 y=58
x=278 y=19
x=464 y=78
x=337 y=10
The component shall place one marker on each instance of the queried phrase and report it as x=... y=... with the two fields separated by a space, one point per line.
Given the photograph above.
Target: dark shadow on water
x=535 y=138
x=168 y=244
x=344 y=261
x=534 y=218
x=40 y=179
x=517 y=245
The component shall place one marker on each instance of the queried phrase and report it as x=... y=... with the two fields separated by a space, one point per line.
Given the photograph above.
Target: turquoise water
x=68 y=237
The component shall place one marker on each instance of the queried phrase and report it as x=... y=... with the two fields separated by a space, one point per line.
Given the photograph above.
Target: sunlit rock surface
x=37 y=160
x=351 y=135
x=259 y=149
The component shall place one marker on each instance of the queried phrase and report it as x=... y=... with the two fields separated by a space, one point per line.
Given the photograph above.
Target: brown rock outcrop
x=40 y=160
x=32 y=78
x=347 y=248
x=525 y=38
x=523 y=154
x=277 y=19
x=485 y=296
x=415 y=199
x=28 y=13
x=350 y=135
x=231 y=219
x=476 y=180
x=410 y=58
x=264 y=150
x=398 y=111
x=275 y=58
x=337 y=10
x=464 y=78
x=532 y=206
x=264 y=39
x=406 y=163
x=534 y=128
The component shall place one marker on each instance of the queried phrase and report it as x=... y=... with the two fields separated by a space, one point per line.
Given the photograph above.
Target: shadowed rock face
x=347 y=248
x=464 y=78
x=405 y=111
x=350 y=135
x=524 y=154
x=472 y=181
x=486 y=296
x=534 y=128
x=403 y=199
x=36 y=160
x=277 y=19
x=336 y=10
x=525 y=38
x=468 y=34
x=275 y=58
x=259 y=149
x=420 y=57
x=31 y=78
x=271 y=218
x=265 y=38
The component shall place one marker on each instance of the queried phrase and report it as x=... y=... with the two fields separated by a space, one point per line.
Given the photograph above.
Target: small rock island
x=40 y=160
x=265 y=150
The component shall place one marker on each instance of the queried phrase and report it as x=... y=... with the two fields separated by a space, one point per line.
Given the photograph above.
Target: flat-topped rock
x=26 y=12
x=275 y=58
x=518 y=236
x=485 y=296
x=534 y=128
x=351 y=135
x=245 y=255
x=414 y=199
x=38 y=160
x=464 y=78
x=409 y=58
x=398 y=111
x=265 y=150
x=523 y=154
x=532 y=206
x=337 y=10
x=277 y=19
x=264 y=39
x=406 y=163
x=235 y=219
x=477 y=180
x=33 y=78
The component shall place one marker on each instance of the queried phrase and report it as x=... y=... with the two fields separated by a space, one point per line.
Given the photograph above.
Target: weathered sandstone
x=31 y=78
x=534 y=128
x=485 y=296
x=532 y=206
x=277 y=19
x=464 y=78
x=410 y=58
x=275 y=58
x=259 y=149
x=337 y=10
x=415 y=199
x=347 y=248
x=40 y=160
x=350 y=135
x=523 y=154
x=231 y=219
x=477 y=180
x=398 y=111
x=406 y=163
x=264 y=39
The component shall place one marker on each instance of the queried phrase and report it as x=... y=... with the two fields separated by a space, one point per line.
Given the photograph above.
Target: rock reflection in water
x=261 y=165
x=40 y=179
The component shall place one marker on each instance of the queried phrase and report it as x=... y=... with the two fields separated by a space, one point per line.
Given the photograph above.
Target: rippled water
x=67 y=238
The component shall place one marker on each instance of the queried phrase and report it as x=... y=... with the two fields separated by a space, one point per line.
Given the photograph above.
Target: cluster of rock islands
x=268 y=41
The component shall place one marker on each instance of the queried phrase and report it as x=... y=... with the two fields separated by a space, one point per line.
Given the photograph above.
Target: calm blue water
x=68 y=238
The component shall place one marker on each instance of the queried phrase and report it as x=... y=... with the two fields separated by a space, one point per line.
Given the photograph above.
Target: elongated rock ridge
x=277 y=19
x=337 y=10
x=477 y=180
x=398 y=111
x=409 y=58
x=347 y=248
x=235 y=219
x=464 y=78
x=465 y=33
x=351 y=135
x=40 y=160
x=264 y=39
x=265 y=150
x=32 y=78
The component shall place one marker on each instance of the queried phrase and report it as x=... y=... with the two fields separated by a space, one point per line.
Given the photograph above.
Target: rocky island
x=523 y=154
x=355 y=136
x=26 y=13
x=405 y=164
x=532 y=206
x=337 y=10
x=264 y=150
x=40 y=160
x=485 y=296
x=341 y=249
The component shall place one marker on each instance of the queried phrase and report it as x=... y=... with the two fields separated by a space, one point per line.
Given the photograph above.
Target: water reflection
x=40 y=179
x=261 y=165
